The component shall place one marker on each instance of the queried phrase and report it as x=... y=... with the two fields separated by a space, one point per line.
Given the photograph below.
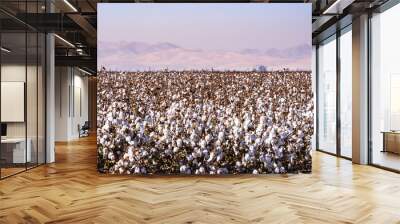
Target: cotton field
x=204 y=122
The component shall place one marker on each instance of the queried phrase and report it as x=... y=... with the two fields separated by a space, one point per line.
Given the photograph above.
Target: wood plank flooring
x=71 y=191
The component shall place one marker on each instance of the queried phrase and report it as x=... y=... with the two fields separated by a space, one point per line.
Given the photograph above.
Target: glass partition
x=346 y=93
x=22 y=78
x=385 y=89
x=13 y=94
x=327 y=95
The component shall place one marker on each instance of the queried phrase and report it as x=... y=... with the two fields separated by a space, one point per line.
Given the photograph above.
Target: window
x=346 y=92
x=327 y=96
x=385 y=89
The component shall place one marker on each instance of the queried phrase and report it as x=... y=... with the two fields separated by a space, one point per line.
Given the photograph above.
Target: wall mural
x=190 y=101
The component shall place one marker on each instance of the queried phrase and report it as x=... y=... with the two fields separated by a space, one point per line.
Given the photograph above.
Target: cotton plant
x=204 y=122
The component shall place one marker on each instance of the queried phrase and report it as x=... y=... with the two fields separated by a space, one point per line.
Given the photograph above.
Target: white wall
x=70 y=83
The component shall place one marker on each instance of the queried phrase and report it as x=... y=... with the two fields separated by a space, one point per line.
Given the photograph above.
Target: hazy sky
x=217 y=28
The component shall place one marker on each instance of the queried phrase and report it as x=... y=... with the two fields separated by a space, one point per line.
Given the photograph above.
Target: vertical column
x=338 y=91
x=50 y=92
x=360 y=90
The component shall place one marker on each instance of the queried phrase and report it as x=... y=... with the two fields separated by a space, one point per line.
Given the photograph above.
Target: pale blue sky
x=207 y=26
x=237 y=36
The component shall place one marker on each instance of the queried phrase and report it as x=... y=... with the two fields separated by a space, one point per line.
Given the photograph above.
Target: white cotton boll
x=102 y=141
x=255 y=171
x=120 y=163
x=220 y=157
x=238 y=164
x=211 y=158
x=300 y=134
x=221 y=136
x=205 y=153
x=179 y=143
x=121 y=170
x=237 y=122
x=128 y=138
x=252 y=150
x=137 y=170
x=203 y=144
x=126 y=163
x=258 y=141
x=182 y=169
x=111 y=156
x=168 y=152
x=144 y=153
x=202 y=170
x=126 y=156
x=259 y=130
x=246 y=157
x=236 y=151
x=175 y=150
x=267 y=142
x=222 y=171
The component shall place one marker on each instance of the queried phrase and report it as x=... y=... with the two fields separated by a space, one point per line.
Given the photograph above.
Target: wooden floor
x=71 y=191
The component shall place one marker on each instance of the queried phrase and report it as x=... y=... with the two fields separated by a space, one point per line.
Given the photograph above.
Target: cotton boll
x=205 y=153
x=202 y=170
x=126 y=163
x=221 y=136
x=182 y=169
x=220 y=157
x=179 y=143
x=208 y=138
x=203 y=144
x=126 y=156
x=222 y=171
x=246 y=157
x=137 y=170
x=111 y=156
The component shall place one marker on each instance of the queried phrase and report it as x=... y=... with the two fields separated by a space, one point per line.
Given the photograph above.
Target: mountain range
x=143 y=56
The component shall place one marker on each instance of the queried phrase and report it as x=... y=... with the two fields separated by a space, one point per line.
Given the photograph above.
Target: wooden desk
x=391 y=141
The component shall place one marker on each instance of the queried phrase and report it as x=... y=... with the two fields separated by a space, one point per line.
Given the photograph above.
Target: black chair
x=84 y=130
